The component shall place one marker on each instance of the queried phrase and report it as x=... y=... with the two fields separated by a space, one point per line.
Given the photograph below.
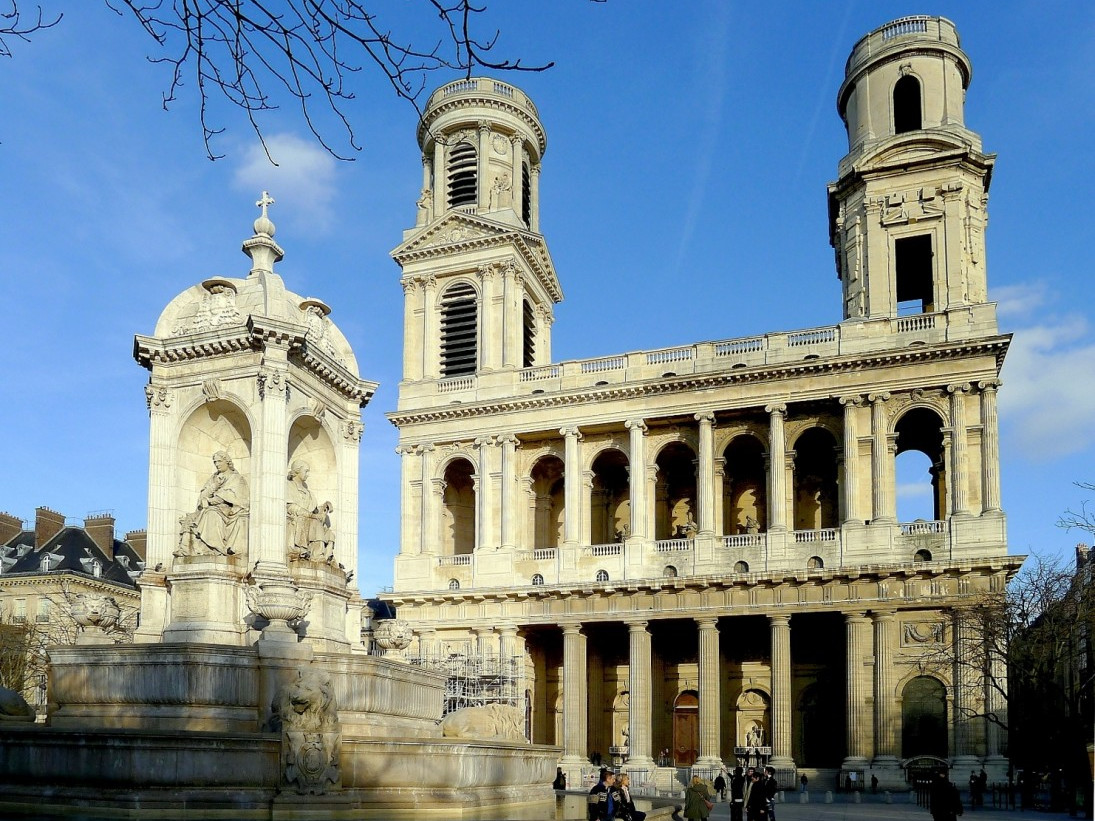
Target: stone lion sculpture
x=13 y=707
x=494 y=722
x=305 y=704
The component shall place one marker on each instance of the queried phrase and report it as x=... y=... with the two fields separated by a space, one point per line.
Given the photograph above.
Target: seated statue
x=309 y=525
x=219 y=523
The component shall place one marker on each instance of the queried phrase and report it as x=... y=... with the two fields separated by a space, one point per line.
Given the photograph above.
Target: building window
x=906 y=105
x=670 y=572
x=741 y=567
x=602 y=575
x=45 y=564
x=96 y=569
x=43 y=611
x=922 y=556
x=459 y=330
x=526 y=195
x=463 y=175
x=537 y=579
x=528 y=352
x=815 y=563
x=19 y=610
x=913 y=269
x=454 y=584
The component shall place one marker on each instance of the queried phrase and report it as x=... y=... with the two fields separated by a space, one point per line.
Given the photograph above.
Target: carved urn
x=280 y=603
x=97 y=615
x=392 y=636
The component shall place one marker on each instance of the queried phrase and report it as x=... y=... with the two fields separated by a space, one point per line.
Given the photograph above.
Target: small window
x=602 y=575
x=913 y=269
x=537 y=579
x=906 y=105
x=19 y=610
x=463 y=175
x=43 y=611
x=922 y=556
x=815 y=563
x=459 y=330
x=454 y=584
x=741 y=567
x=528 y=354
x=670 y=572
x=44 y=565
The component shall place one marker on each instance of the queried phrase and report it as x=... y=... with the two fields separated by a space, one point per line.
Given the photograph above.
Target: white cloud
x=914 y=490
x=1021 y=300
x=302 y=182
x=1048 y=402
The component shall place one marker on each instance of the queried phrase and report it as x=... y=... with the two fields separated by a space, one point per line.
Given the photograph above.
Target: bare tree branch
x=1082 y=519
x=13 y=26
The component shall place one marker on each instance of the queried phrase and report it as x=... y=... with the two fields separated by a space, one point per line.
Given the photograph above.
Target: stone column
x=483 y=170
x=996 y=704
x=857 y=687
x=956 y=479
x=781 y=691
x=777 y=472
x=516 y=141
x=965 y=749
x=885 y=714
x=433 y=495
x=413 y=330
x=574 y=696
x=990 y=447
x=439 y=181
x=410 y=543
x=507 y=642
x=431 y=342
x=484 y=501
x=720 y=493
x=163 y=513
x=572 y=485
x=852 y=514
x=881 y=473
x=512 y=316
x=534 y=174
x=710 y=695
x=641 y=756
x=705 y=474
x=268 y=483
x=637 y=474
x=485 y=643
x=509 y=489
x=491 y=342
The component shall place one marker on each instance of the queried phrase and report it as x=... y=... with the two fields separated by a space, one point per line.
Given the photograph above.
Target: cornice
x=471 y=100
x=681 y=384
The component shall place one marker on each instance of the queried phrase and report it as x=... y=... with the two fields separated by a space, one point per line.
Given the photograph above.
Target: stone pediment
x=923 y=147
x=458 y=232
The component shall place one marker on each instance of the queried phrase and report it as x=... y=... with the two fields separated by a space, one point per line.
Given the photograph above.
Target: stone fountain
x=248 y=687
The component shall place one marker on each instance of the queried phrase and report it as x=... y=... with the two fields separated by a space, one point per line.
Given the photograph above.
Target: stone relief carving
x=217 y=308
x=923 y=633
x=496 y=722
x=500 y=191
x=309 y=523
x=274 y=383
x=499 y=144
x=306 y=714
x=158 y=399
x=95 y=614
x=218 y=525
x=318 y=334
x=211 y=390
x=352 y=431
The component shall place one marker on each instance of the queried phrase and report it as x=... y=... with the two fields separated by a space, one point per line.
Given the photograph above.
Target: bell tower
x=479 y=284
x=907 y=215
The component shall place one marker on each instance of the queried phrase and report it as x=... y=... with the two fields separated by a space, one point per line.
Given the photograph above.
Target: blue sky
x=682 y=196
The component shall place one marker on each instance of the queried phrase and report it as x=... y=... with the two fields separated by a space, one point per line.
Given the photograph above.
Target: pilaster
x=575 y=683
x=990 y=447
x=780 y=627
x=857 y=686
x=637 y=473
x=777 y=474
x=640 y=686
x=710 y=696
x=881 y=464
x=957 y=467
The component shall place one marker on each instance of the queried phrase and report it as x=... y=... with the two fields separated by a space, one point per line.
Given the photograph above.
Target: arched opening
x=816 y=480
x=602 y=575
x=686 y=724
x=537 y=579
x=924 y=718
x=922 y=556
x=459 y=330
x=815 y=563
x=463 y=175
x=526 y=195
x=920 y=431
x=458 y=530
x=528 y=338
x=610 y=505
x=670 y=572
x=752 y=728
x=744 y=486
x=548 y=502
x=907 y=114
x=454 y=584
x=675 y=493
x=741 y=567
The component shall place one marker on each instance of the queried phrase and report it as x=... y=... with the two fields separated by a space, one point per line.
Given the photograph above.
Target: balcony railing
x=918 y=528
x=825 y=534
x=672 y=545
x=603 y=550
x=464 y=559
x=744 y=540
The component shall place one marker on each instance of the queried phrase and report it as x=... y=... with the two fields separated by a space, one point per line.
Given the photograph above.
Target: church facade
x=693 y=554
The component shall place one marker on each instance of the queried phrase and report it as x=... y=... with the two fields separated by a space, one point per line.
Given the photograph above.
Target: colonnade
x=502 y=513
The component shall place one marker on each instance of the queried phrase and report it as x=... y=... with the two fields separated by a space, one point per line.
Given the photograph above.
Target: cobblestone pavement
x=877 y=810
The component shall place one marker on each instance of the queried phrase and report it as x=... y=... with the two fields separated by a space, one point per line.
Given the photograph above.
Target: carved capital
x=352 y=431
x=159 y=399
x=483 y=126
x=704 y=416
x=958 y=388
x=854 y=400
x=508 y=439
x=571 y=431
x=777 y=409
x=989 y=385
x=274 y=383
x=876 y=398
x=633 y=424
x=410 y=284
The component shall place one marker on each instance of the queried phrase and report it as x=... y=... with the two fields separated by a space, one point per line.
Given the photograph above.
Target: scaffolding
x=475 y=680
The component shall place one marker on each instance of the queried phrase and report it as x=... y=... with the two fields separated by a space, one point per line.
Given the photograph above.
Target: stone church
x=692 y=556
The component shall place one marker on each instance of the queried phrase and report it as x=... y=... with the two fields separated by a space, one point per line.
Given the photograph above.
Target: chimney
x=100 y=527
x=47 y=524
x=10 y=527
x=138 y=540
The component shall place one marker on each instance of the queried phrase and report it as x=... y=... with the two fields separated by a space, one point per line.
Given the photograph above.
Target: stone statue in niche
x=755 y=736
x=500 y=192
x=752 y=526
x=309 y=524
x=218 y=526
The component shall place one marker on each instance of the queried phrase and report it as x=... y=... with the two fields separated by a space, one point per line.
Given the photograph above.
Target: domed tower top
x=908 y=75
x=481 y=142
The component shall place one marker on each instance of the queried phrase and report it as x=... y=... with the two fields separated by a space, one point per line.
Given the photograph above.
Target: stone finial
x=263 y=225
x=262 y=249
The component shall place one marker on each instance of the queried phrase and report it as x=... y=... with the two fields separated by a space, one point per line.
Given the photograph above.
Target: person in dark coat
x=720 y=785
x=946 y=804
x=627 y=810
x=598 y=796
x=771 y=787
x=756 y=802
x=560 y=782
x=737 y=795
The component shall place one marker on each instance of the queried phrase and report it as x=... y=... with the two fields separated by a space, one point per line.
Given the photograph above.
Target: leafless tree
x=1082 y=519
x=256 y=53
x=15 y=25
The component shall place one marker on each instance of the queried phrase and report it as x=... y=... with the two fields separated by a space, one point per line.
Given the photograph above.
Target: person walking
x=737 y=795
x=697 y=801
x=946 y=804
x=771 y=787
x=720 y=784
x=756 y=802
x=803 y=781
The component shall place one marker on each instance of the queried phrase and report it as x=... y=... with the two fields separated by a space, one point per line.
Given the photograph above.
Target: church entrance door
x=686 y=729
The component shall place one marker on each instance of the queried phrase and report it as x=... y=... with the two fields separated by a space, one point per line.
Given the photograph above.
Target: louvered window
x=463 y=172
x=526 y=196
x=459 y=330
x=529 y=350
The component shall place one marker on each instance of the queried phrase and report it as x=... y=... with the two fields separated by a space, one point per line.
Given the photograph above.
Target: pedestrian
x=946 y=804
x=560 y=782
x=697 y=801
x=756 y=803
x=874 y=783
x=803 y=781
x=975 y=787
x=737 y=795
x=771 y=787
x=720 y=784
x=627 y=810
x=597 y=803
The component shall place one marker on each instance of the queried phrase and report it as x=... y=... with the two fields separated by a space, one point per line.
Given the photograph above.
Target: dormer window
x=96 y=569
x=45 y=564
